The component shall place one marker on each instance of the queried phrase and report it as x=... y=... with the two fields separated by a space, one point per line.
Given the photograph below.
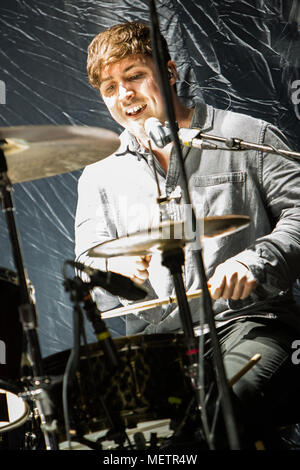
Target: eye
x=108 y=90
x=136 y=76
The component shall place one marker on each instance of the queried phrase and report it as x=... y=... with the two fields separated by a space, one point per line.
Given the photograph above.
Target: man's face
x=130 y=91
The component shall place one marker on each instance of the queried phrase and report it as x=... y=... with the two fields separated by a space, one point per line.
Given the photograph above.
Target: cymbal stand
x=161 y=60
x=39 y=393
x=173 y=259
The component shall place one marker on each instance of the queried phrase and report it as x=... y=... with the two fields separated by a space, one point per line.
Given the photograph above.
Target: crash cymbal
x=34 y=152
x=169 y=235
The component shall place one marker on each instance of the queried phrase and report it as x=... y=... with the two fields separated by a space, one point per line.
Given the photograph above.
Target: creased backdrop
x=239 y=55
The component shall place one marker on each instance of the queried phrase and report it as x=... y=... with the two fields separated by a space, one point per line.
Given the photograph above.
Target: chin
x=137 y=126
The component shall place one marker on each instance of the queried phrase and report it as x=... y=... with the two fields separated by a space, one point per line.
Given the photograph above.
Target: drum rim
x=19 y=422
x=15 y=390
x=133 y=342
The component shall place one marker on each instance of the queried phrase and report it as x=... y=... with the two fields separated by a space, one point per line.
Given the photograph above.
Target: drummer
x=250 y=272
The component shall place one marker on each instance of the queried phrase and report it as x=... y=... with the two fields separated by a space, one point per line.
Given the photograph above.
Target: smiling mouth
x=135 y=110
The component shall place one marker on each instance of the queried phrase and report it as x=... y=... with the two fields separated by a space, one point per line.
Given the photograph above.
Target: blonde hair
x=116 y=43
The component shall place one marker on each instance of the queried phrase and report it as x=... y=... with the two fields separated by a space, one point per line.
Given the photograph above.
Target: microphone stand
x=238 y=144
x=222 y=382
x=28 y=318
x=80 y=293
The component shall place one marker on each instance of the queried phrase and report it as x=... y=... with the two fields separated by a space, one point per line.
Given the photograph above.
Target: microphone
x=114 y=283
x=161 y=135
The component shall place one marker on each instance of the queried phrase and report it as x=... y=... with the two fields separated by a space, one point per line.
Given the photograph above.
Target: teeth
x=135 y=109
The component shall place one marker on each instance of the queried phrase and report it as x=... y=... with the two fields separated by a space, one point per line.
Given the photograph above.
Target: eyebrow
x=124 y=71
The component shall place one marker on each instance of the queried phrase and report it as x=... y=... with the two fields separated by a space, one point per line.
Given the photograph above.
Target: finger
x=248 y=288
x=142 y=273
x=239 y=288
x=137 y=280
x=141 y=263
x=217 y=287
x=140 y=277
x=144 y=261
x=229 y=286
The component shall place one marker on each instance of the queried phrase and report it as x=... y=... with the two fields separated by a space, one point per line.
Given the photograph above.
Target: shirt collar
x=203 y=117
x=128 y=144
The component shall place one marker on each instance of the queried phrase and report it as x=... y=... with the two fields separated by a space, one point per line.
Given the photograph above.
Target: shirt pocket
x=219 y=194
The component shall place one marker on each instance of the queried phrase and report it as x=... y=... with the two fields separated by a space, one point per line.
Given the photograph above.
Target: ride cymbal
x=168 y=235
x=34 y=152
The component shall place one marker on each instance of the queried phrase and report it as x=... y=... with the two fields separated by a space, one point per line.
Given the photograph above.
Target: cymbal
x=34 y=152
x=168 y=235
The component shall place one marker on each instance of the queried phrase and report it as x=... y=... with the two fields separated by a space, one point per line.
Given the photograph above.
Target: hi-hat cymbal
x=34 y=152
x=169 y=235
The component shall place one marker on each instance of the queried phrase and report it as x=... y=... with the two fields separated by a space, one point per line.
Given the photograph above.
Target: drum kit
x=49 y=401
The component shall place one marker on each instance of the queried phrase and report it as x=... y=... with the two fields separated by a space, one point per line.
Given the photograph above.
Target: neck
x=184 y=118
x=163 y=155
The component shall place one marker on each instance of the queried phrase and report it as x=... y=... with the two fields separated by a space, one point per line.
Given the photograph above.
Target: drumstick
x=244 y=369
x=146 y=305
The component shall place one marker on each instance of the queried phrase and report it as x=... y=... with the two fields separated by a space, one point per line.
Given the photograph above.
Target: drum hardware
x=37 y=152
x=112 y=282
x=162 y=201
x=11 y=334
x=145 y=436
x=14 y=411
x=159 y=398
x=33 y=434
x=234 y=144
x=207 y=316
x=164 y=238
x=186 y=430
x=27 y=311
x=174 y=261
x=80 y=294
x=82 y=290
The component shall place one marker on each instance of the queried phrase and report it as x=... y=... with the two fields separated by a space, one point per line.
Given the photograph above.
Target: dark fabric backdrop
x=237 y=55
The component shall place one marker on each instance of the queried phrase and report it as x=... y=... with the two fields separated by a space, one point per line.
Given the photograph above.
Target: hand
x=231 y=280
x=134 y=267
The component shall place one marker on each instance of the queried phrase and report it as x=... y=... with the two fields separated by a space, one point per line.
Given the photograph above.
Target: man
x=250 y=272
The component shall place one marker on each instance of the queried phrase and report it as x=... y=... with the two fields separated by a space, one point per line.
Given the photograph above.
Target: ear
x=172 y=72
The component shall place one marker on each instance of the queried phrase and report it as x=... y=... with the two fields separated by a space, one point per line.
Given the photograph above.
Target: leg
x=262 y=390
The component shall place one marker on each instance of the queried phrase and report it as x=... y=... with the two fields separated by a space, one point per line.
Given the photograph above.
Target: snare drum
x=150 y=384
x=10 y=326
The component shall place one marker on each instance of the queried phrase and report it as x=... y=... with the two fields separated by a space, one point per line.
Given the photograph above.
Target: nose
x=125 y=92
